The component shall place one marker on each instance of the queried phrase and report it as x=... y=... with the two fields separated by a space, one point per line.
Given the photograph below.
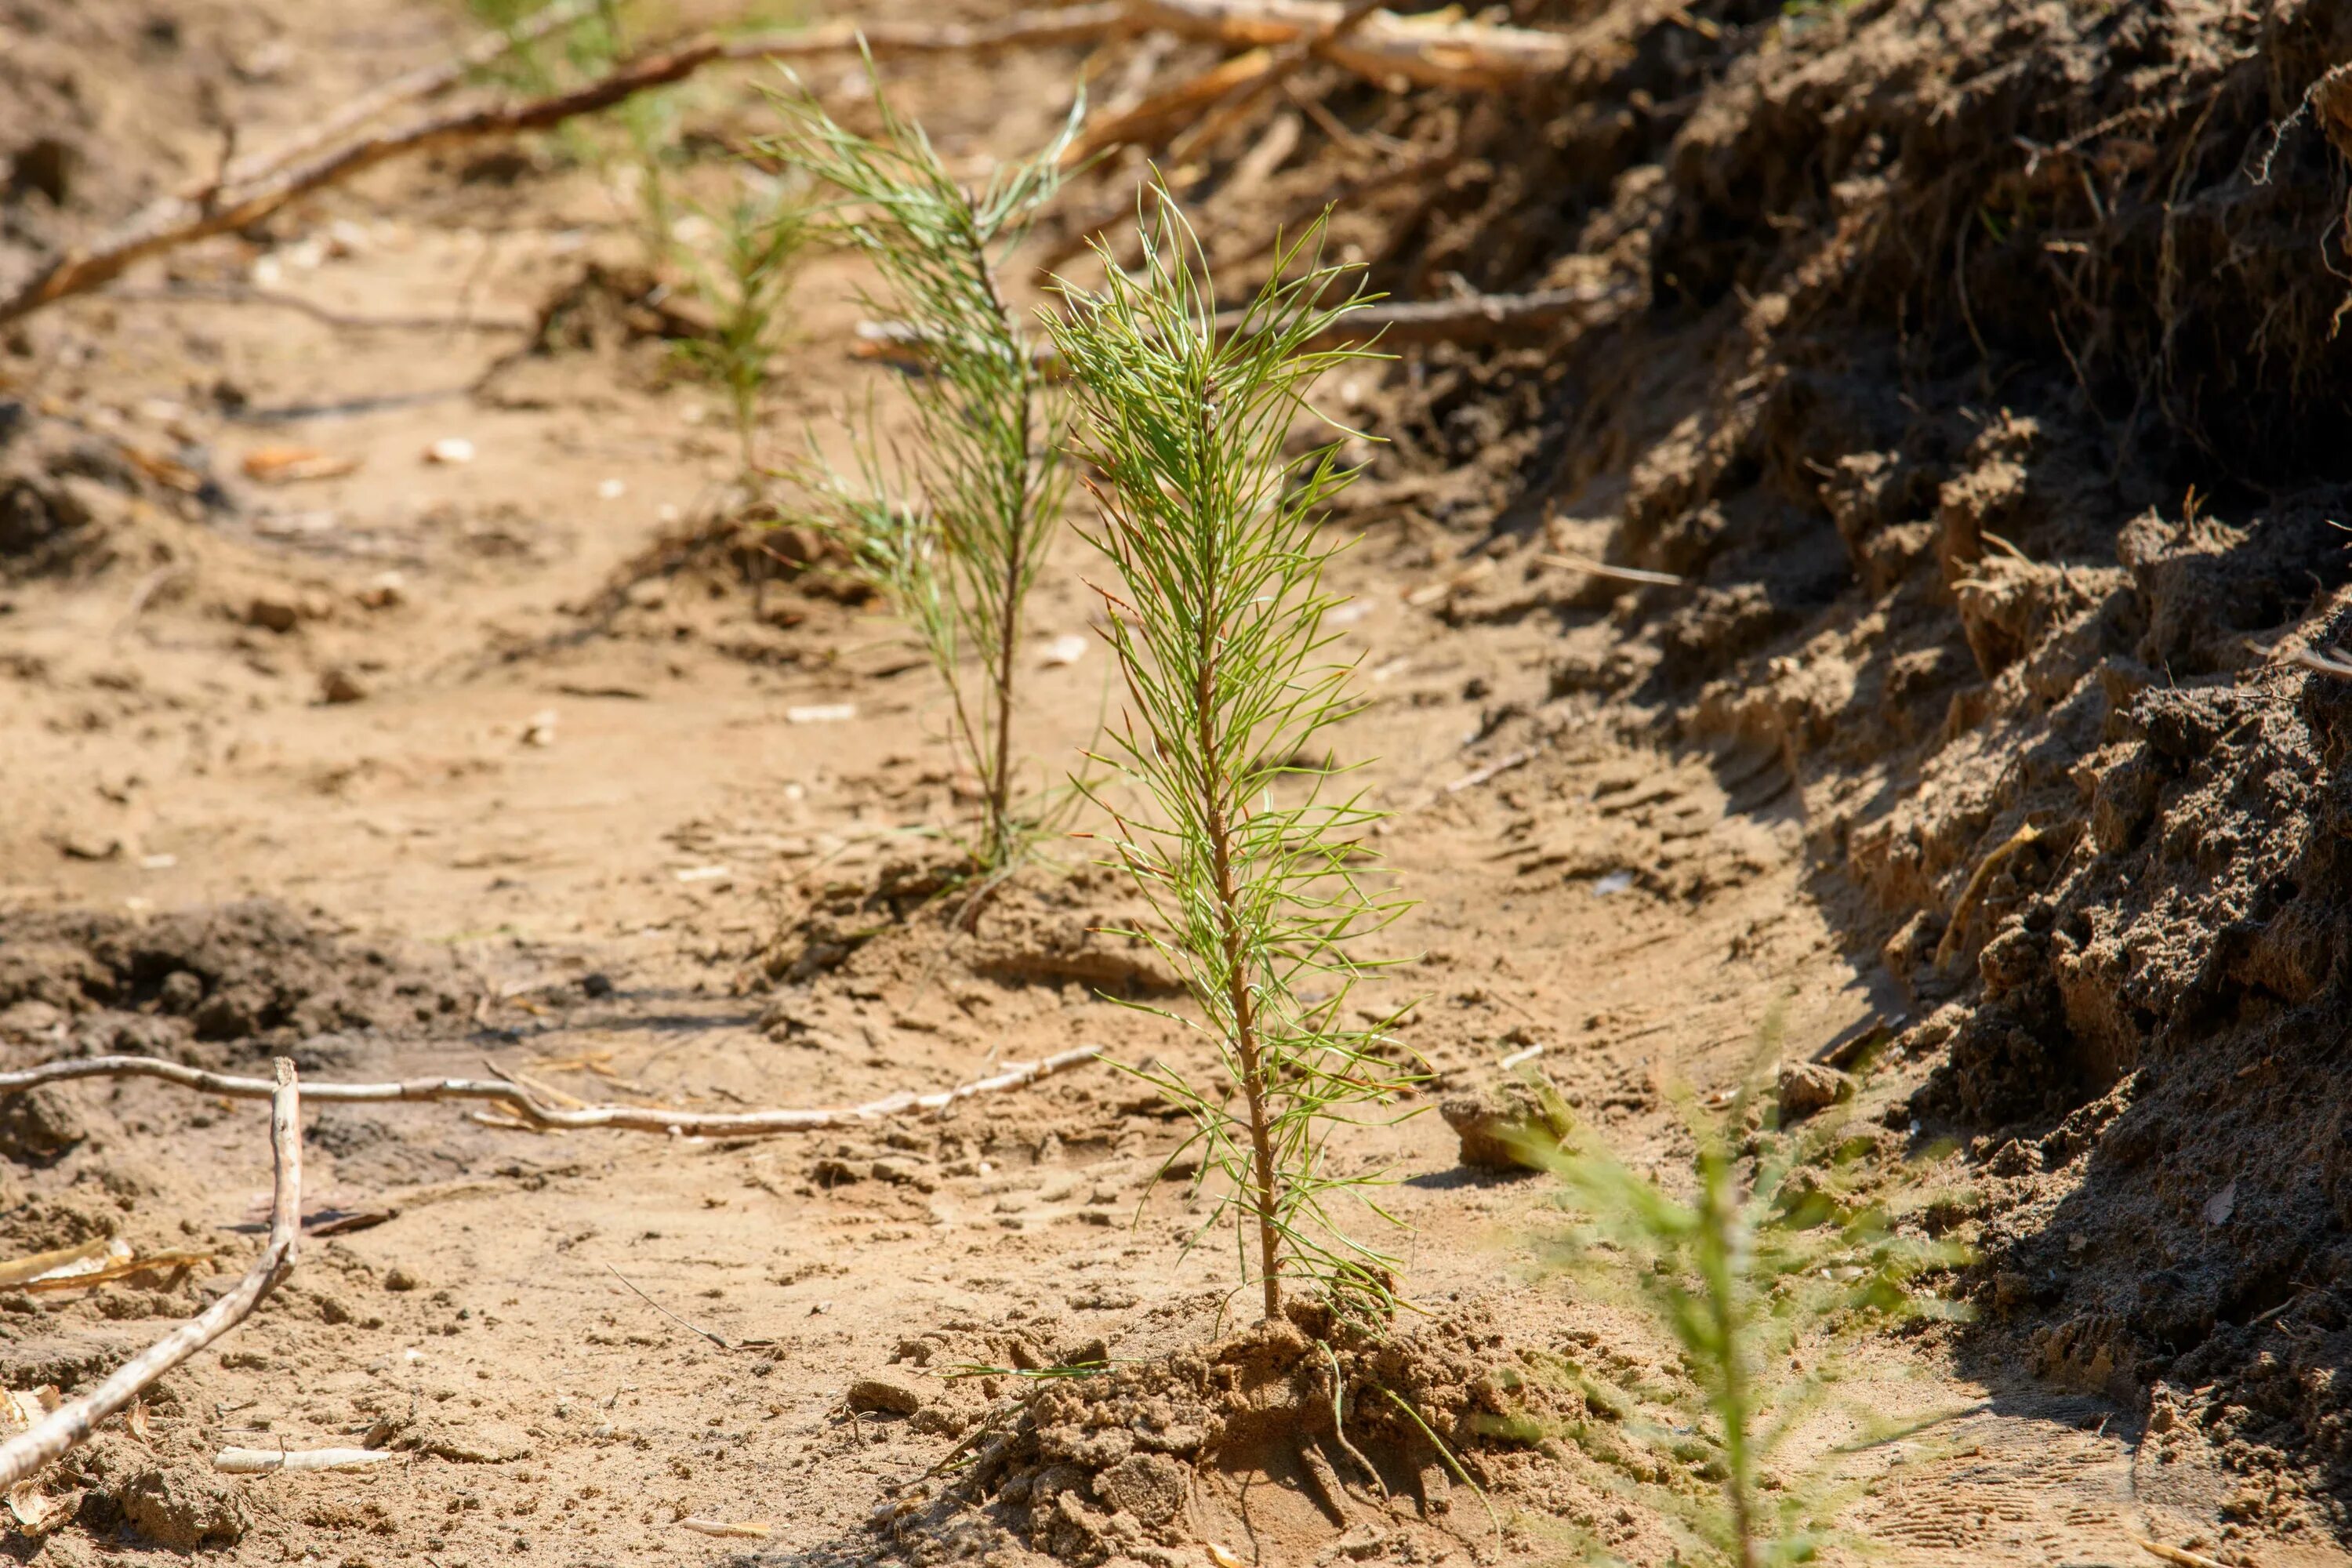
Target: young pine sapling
x=984 y=471
x=1217 y=628
x=761 y=237
x=1743 y=1273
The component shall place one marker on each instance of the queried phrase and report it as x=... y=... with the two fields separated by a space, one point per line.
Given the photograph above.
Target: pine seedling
x=1217 y=628
x=984 y=469
x=1742 y=1275
x=762 y=236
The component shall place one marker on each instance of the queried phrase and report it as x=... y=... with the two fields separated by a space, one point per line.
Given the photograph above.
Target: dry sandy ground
x=602 y=825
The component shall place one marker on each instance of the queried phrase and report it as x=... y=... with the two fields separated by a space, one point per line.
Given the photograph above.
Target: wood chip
x=267 y=1461
x=721 y=1527
x=289 y=464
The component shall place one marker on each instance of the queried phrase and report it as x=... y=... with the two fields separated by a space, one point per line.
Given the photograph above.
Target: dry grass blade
x=71 y=1424
x=622 y=1118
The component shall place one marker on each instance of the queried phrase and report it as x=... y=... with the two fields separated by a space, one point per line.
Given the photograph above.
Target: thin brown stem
x=1008 y=628
x=1247 y=1044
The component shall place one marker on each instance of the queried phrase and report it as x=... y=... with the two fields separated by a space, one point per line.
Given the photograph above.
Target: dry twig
x=182 y=219
x=717 y=1340
x=624 y=1118
x=72 y=1422
x=411 y=87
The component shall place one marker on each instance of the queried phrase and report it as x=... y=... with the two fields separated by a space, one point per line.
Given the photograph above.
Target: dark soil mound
x=1985 y=392
x=253 y=973
x=1089 y=1461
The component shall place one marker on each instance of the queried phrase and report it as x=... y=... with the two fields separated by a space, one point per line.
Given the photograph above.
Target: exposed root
x=519 y=1101
x=72 y=1423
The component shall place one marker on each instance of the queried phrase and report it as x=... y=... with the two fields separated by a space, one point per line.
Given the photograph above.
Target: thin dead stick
x=1495 y=769
x=17 y=1270
x=2330 y=663
x=1454 y=54
x=412 y=86
x=181 y=220
x=665 y=1311
x=1591 y=568
x=1475 y=317
x=624 y=1118
x=71 y=1424
x=153 y=1263
x=1233 y=87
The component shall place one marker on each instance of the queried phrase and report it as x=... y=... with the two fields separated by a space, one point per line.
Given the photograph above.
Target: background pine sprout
x=1742 y=1275
x=984 y=472
x=761 y=237
x=1217 y=629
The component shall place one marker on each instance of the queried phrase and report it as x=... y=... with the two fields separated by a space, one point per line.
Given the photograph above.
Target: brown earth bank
x=1972 y=370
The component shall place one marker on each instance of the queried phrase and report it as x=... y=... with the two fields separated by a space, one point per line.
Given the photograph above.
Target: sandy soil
x=557 y=815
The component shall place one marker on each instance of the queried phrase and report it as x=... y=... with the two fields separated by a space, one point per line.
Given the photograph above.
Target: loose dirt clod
x=1498 y=1125
x=182 y=1509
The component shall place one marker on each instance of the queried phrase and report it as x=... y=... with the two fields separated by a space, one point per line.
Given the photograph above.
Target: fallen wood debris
x=1386 y=49
x=1280 y=67
x=1471 y=319
x=72 y=1422
x=17 y=1272
x=1425 y=51
x=270 y=1461
x=120 y=1267
x=520 y=1101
